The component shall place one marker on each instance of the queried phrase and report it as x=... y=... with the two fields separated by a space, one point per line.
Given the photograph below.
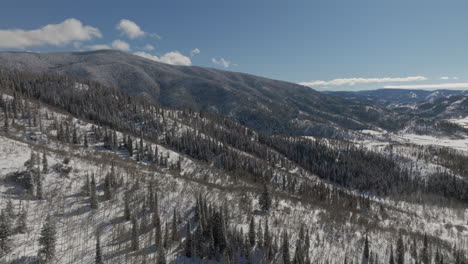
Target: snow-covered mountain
x=270 y=106
x=82 y=163
x=392 y=97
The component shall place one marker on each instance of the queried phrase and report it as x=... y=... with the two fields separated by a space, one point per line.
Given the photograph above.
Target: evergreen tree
x=6 y=125
x=158 y=231
x=198 y=239
x=5 y=232
x=21 y=226
x=365 y=254
x=75 y=136
x=285 y=248
x=45 y=166
x=166 y=236
x=86 y=189
x=174 y=232
x=47 y=241
x=130 y=146
x=265 y=199
x=188 y=242
x=135 y=236
x=252 y=232
x=38 y=184
x=93 y=195
x=161 y=256
x=425 y=251
x=392 y=260
x=85 y=143
x=400 y=251
x=109 y=182
x=10 y=212
x=127 y=214
x=98 y=258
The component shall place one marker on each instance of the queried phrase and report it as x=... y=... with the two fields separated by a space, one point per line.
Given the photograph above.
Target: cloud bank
x=448 y=78
x=430 y=86
x=173 y=57
x=64 y=33
x=354 y=81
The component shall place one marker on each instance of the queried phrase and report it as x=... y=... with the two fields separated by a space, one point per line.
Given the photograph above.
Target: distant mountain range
x=267 y=105
x=386 y=97
x=438 y=104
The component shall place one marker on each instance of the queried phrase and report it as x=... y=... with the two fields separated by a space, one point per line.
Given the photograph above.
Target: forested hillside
x=269 y=106
x=92 y=174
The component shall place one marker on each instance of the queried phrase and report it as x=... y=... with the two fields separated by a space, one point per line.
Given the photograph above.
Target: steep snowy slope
x=210 y=175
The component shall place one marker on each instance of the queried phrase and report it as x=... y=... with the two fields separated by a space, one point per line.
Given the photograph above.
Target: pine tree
x=188 y=242
x=98 y=258
x=175 y=233
x=38 y=185
x=400 y=251
x=109 y=185
x=135 y=236
x=252 y=232
x=218 y=232
x=198 y=242
x=392 y=260
x=158 y=231
x=31 y=163
x=10 y=212
x=5 y=232
x=166 y=236
x=285 y=249
x=265 y=199
x=130 y=146
x=85 y=144
x=425 y=251
x=93 y=195
x=75 y=136
x=6 y=125
x=86 y=189
x=127 y=214
x=21 y=226
x=161 y=256
x=45 y=166
x=47 y=241
x=365 y=254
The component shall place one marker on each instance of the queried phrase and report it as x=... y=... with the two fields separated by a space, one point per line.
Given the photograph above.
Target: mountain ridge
x=268 y=105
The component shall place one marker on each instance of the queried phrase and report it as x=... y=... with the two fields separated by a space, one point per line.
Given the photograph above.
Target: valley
x=120 y=178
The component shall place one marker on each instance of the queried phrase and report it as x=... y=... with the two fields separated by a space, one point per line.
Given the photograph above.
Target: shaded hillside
x=268 y=105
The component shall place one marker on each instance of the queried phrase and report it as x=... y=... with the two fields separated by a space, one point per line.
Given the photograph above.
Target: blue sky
x=330 y=44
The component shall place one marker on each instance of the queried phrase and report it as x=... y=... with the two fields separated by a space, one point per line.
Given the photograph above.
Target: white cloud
x=430 y=86
x=130 y=29
x=448 y=78
x=221 y=62
x=148 y=47
x=194 y=52
x=120 y=45
x=98 y=47
x=173 y=57
x=353 y=81
x=68 y=31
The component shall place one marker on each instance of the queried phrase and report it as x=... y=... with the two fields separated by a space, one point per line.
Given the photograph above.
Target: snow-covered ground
x=335 y=232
